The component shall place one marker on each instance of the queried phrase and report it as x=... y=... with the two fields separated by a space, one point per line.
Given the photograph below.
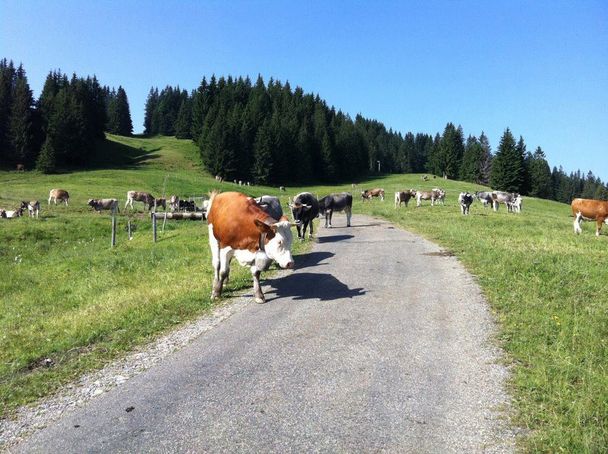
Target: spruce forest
x=265 y=133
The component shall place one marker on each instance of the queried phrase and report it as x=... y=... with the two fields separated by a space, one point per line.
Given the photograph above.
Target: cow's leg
x=349 y=213
x=577 y=223
x=257 y=289
x=50 y=200
x=310 y=231
x=299 y=229
x=214 y=245
x=329 y=215
x=598 y=228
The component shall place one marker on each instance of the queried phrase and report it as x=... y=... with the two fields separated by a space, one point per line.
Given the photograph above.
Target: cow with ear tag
x=305 y=208
x=239 y=228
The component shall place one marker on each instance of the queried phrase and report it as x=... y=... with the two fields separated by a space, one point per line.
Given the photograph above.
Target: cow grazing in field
x=59 y=195
x=499 y=197
x=516 y=204
x=136 y=196
x=271 y=205
x=162 y=202
x=404 y=197
x=484 y=197
x=186 y=205
x=174 y=202
x=282 y=188
x=368 y=194
x=11 y=214
x=589 y=210
x=305 y=208
x=104 y=204
x=32 y=207
x=20 y=168
x=433 y=195
x=465 y=199
x=342 y=201
x=239 y=228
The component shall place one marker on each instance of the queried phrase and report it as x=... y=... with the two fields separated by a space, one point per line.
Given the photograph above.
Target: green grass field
x=67 y=296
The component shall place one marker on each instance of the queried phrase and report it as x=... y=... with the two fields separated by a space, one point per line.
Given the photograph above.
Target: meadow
x=69 y=298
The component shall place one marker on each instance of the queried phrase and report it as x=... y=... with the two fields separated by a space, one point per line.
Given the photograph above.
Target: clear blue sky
x=537 y=67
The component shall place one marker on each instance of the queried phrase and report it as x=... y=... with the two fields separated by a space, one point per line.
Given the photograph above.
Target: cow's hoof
x=260 y=300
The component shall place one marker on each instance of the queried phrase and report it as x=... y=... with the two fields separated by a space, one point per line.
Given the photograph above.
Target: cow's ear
x=263 y=227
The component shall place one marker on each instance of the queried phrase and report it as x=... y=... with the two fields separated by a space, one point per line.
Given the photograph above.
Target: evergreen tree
x=22 y=134
x=150 y=125
x=46 y=161
x=183 y=124
x=124 y=125
x=471 y=168
x=507 y=167
x=540 y=176
x=451 y=149
x=486 y=159
x=7 y=84
x=262 y=148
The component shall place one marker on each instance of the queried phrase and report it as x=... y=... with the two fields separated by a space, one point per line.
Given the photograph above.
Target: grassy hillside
x=70 y=298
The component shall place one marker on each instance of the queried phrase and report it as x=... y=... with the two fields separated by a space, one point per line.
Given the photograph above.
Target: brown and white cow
x=239 y=228
x=589 y=210
x=135 y=196
x=368 y=194
x=32 y=207
x=404 y=197
x=162 y=202
x=433 y=195
x=104 y=204
x=174 y=203
x=60 y=195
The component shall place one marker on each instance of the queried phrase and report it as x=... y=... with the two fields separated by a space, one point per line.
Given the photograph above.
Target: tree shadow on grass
x=303 y=286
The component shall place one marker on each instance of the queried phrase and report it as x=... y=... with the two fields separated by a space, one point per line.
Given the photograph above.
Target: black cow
x=336 y=202
x=465 y=199
x=271 y=205
x=304 y=209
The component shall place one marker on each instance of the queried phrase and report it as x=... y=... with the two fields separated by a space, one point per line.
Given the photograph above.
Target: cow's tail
x=212 y=195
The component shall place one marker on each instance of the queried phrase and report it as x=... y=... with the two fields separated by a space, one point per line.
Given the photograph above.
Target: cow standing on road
x=239 y=228
x=336 y=202
x=305 y=208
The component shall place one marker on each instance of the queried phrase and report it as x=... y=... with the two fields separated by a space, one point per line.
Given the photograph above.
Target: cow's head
x=299 y=211
x=92 y=202
x=278 y=234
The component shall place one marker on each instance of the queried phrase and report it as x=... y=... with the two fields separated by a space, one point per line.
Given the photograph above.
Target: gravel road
x=378 y=341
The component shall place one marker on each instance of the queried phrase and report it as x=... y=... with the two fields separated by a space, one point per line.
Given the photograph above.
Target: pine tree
x=507 y=166
x=123 y=113
x=486 y=159
x=540 y=176
x=471 y=170
x=150 y=123
x=262 y=149
x=183 y=124
x=47 y=162
x=7 y=84
x=21 y=122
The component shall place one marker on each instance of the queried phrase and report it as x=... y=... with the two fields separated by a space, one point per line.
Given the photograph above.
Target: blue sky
x=539 y=68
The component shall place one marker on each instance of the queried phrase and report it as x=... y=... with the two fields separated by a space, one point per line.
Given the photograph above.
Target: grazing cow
x=484 y=197
x=305 y=208
x=465 y=199
x=186 y=205
x=516 y=204
x=239 y=228
x=271 y=205
x=32 y=207
x=368 y=194
x=174 y=202
x=135 y=196
x=20 y=168
x=433 y=195
x=162 y=202
x=10 y=214
x=589 y=210
x=104 y=204
x=282 y=188
x=404 y=197
x=499 y=197
x=342 y=201
x=60 y=195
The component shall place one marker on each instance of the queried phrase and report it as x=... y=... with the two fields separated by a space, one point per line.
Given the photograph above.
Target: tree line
x=62 y=127
x=271 y=134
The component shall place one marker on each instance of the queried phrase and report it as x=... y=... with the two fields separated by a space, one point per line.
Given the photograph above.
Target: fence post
x=129 y=229
x=113 y=242
x=153 y=215
x=164 y=221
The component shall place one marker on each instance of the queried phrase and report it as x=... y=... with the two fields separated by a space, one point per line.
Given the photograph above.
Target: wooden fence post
x=153 y=215
x=113 y=242
x=129 y=229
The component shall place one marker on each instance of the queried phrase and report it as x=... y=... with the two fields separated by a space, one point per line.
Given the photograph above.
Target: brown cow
x=135 y=196
x=60 y=195
x=404 y=197
x=433 y=195
x=239 y=228
x=589 y=210
x=104 y=204
x=368 y=194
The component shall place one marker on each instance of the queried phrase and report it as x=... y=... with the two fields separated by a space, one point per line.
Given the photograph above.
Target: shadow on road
x=312 y=259
x=302 y=286
x=334 y=238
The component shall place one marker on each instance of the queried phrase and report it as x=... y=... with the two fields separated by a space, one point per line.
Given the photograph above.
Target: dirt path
x=377 y=342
